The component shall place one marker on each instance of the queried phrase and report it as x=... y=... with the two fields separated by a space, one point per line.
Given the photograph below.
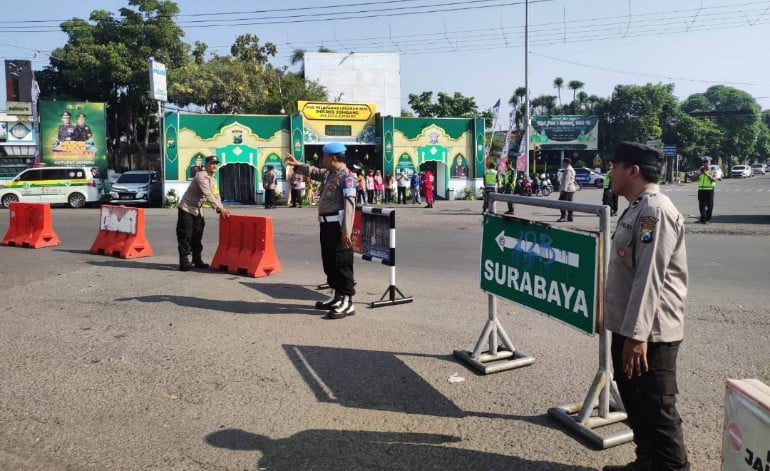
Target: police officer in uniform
x=644 y=299
x=707 y=182
x=509 y=182
x=190 y=223
x=608 y=197
x=336 y=208
x=490 y=184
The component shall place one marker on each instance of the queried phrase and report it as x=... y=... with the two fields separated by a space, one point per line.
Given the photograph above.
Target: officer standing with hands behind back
x=644 y=300
x=336 y=208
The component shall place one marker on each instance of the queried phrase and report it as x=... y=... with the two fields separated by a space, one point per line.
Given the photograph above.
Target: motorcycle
x=543 y=186
x=523 y=187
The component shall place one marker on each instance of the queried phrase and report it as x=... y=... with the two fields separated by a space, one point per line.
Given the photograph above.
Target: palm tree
x=298 y=57
x=575 y=85
x=558 y=82
x=582 y=97
x=516 y=100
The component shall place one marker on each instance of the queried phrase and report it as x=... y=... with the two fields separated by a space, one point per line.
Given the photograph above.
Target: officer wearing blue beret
x=336 y=208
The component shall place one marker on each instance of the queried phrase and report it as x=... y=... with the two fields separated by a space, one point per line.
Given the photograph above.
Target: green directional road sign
x=555 y=271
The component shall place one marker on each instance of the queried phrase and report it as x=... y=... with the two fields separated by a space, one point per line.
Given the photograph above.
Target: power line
x=619 y=71
x=316 y=17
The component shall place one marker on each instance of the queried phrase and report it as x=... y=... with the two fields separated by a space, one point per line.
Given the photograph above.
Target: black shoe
x=200 y=264
x=569 y=219
x=509 y=212
x=633 y=466
x=329 y=303
x=561 y=219
x=185 y=264
x=343 y=309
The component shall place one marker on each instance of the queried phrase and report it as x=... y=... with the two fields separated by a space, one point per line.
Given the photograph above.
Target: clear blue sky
x=478 y=50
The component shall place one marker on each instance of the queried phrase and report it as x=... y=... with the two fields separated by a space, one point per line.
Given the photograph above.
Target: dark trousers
x=650 y=401
x=337 y=260
x=610 y=200
x=388 y=195
x=508 y=190
x=189 y=234
x=296 y=197
x=566 y=196
x=402 y=195
x=487 y=191
x=370 y=196
x=269 y=198
x=360 y=197
x=705 y=204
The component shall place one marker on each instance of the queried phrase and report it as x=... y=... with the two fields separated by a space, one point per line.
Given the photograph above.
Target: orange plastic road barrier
x=246 y=246
x=121 y=233
x=30 y=226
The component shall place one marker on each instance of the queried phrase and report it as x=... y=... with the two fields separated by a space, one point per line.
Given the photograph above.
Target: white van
x=74 y=186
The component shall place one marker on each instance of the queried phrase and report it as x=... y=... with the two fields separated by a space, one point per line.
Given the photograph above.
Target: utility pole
x=526 y=87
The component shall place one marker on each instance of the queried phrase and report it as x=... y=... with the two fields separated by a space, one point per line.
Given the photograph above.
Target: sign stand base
x=494 y=359
x=579 y=418
x=393 y=300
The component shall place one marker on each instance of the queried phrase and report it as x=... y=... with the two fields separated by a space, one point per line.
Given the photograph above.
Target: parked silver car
x=740 y=171
x=759 y=169
x=137 y=187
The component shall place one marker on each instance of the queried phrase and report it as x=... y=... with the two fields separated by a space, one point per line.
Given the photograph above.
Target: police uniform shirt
x=567 y=183
x=646 y=286
x=199 y=191
x=338 y=192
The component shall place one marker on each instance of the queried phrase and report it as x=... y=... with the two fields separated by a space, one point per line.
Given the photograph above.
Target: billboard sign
x=555 y=271
x=157 y=80
x=73 y=133
x=19 y=108
x=18 y=80
x=337 y=111
x=565 y=132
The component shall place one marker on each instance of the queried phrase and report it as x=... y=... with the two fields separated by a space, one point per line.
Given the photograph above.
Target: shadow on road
x=235 y=307
x=362 y=450
x=286 y=291
x=379 y=380
x=135 y=264
x=741 y=219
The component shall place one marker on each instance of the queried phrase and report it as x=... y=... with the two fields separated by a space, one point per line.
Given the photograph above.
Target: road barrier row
x=121 y=233
x=246 y=246
x=30 y=226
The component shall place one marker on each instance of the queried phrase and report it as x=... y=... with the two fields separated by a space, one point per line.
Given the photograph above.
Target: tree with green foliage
x=558 y=84
x=446 y=105
x=636 y=113
x=105 y=60
x=244 y=82
x=738 y=133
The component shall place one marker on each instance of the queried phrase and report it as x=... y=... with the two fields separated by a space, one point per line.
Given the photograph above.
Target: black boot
x=185 y=264
x=198 y=261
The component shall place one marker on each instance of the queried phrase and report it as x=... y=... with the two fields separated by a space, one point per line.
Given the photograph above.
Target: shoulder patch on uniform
x=648 y=225
x=349 y=186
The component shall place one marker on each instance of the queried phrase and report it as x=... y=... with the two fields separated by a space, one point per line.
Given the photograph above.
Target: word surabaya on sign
x=553 y=292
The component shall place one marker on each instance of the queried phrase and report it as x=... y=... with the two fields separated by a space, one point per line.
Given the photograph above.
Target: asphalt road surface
x=130 y=364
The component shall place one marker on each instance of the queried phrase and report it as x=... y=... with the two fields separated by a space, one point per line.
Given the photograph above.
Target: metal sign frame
x=603 y=393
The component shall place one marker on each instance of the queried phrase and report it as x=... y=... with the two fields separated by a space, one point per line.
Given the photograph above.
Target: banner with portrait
x=73 y=133
x=459 y=168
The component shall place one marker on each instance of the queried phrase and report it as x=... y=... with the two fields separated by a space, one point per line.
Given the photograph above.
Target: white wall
x=359 y=77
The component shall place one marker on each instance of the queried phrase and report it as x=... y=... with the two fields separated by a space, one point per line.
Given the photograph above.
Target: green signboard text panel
x=552 y=270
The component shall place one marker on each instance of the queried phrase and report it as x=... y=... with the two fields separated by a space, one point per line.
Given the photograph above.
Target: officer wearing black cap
x=66 y=128
x=190 y=222
x=644 y=299
x=336 y=208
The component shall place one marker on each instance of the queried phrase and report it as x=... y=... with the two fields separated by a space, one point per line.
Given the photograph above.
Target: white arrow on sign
x=549 y=253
